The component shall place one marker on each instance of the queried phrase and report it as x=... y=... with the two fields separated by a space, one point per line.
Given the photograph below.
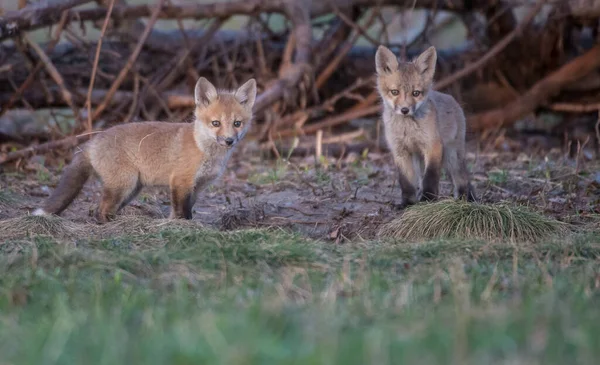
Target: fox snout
x=404 y=109
x=227 y=141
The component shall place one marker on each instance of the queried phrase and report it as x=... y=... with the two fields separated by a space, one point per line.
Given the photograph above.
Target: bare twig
x=360 y=31
x=334 y=120
x=19 y=91
x=335 y=62
x=88 y=102
x=319 y=145
x=574 y=108
x=56 y=76
x=68 y=142
x=597 y=128
x=344 y=137
x=31 y=77
x=130 y=61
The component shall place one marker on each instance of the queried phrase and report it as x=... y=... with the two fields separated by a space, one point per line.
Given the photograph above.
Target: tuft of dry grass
x=462 y=220
x=29 y=225
x=138 y=224
x=236 y=218
x=7 y=199
x=593 y=224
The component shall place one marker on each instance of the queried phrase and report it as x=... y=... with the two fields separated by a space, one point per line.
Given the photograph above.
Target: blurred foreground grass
x=187 y=296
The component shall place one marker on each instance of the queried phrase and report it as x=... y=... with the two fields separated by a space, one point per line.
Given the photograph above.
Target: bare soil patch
x=337 y=199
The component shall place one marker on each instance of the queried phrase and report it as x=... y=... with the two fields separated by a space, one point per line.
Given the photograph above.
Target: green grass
x=192 y=296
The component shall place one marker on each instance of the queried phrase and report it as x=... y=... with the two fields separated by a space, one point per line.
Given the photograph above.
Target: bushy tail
x=69 y=186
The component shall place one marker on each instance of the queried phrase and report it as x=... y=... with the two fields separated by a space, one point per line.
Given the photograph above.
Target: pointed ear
x=246 y=94
x=204 y=92
x=426 y=63
x=385 y=61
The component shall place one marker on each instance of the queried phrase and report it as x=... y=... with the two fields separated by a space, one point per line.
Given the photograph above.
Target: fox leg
x=456 y=164
x=115 y=195
x=433 y=165
x=408 y=179
x=183 y=197
x=111 y=200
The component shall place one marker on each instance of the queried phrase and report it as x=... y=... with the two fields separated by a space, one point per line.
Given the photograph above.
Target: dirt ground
x=347 y=198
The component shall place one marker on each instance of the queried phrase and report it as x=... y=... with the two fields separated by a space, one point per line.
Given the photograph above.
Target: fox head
x=223 y=116
x=404 y=86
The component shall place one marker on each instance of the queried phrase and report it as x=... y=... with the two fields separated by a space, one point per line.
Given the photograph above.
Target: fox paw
x=404 y=203
x=466 y=193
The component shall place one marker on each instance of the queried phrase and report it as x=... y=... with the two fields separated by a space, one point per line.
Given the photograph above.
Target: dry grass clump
x=236 y=218
x=139 y=224
x=30 y=225
x=7 y=199
x=461 y=220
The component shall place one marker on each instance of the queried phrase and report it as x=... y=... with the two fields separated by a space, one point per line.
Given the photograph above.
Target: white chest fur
x=213 y=166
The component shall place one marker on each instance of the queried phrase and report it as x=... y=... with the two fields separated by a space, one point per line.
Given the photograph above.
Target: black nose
x=404 y=110
x=229 y=141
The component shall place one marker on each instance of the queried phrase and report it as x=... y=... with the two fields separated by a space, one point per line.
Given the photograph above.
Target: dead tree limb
x=34 y=17
x=68 y=142
x=299 y=14
x=13 y=24
x=539 y=93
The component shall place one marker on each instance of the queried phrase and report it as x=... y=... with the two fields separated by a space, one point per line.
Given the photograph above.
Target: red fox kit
x=425 y=129
x=184 y=156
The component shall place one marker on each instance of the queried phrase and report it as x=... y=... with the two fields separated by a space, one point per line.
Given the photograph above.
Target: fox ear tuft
x=204 y=92
x=385 y=61
x=426 y=63
x=246 y=94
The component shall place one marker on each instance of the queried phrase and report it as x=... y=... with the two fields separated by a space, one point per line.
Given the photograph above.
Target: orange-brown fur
x=184 y=156
x=425 y=129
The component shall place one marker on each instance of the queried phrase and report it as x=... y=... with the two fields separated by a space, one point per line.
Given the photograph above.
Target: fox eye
x=216 y=123
x=395 y=92
x=416 y=93
x=237 y=124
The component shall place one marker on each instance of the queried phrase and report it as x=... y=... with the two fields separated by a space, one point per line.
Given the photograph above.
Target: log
x=35 y=17
x=540 y=93
x=14 y=22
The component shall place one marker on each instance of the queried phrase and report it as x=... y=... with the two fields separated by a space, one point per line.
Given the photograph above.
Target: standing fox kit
x=184 y=156
x=425 y=129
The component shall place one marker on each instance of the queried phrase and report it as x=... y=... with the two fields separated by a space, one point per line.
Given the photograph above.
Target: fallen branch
x=542 y=91
x=298 y=13
x=34 y=17
x=16 y=22
x=574 y=108
x=68 y=142
x=333 y=121
x=37 y=98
